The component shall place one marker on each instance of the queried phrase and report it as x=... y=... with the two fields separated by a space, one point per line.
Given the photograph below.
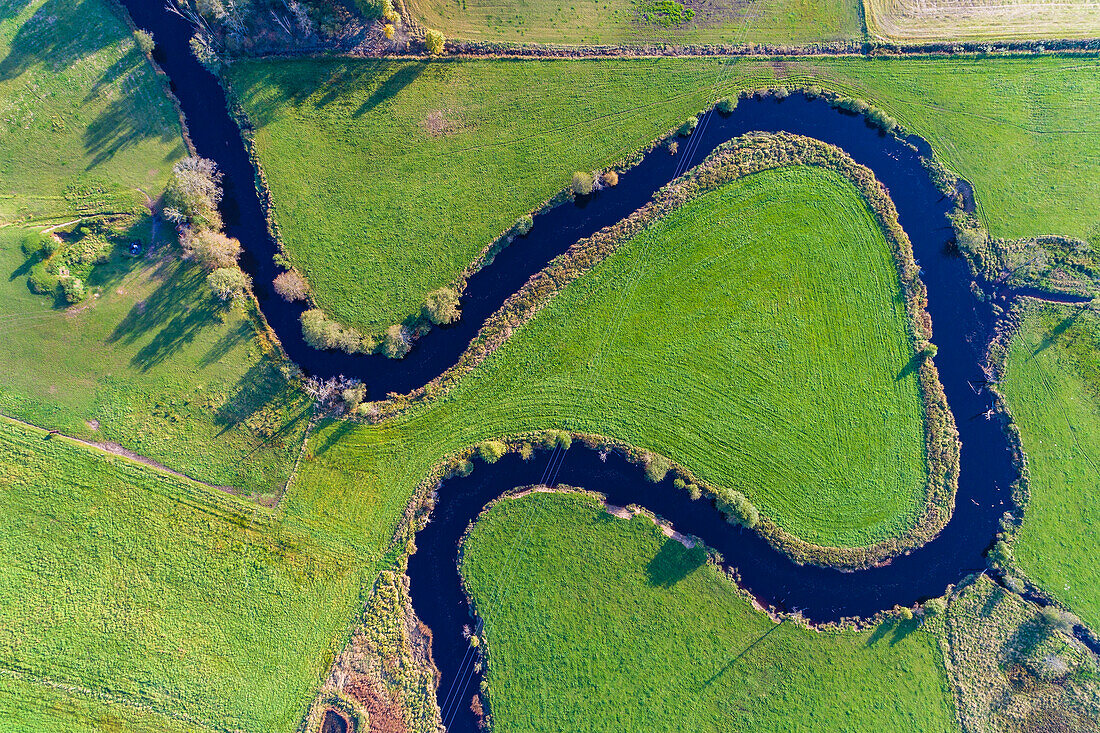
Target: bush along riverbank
x=742 y=157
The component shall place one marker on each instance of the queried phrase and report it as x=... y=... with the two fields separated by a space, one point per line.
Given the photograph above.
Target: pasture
x=1052 y=385
x=390 y=177
x=757 y=336
x=637 y=21
x=604 y=620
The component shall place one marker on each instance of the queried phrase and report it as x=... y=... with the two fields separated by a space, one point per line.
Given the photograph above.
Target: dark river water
x=961 y=323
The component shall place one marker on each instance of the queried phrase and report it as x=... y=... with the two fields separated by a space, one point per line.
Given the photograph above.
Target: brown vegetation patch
x=384 y=715
x=442 y=123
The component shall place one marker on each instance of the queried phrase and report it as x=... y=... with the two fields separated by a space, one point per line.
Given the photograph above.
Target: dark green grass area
x=1052 y=384
x=756 y=336
x=131 y=583
x=644 y=21
x=598 y=623
x=86 y=122
x=390 y=177
x=150 y=362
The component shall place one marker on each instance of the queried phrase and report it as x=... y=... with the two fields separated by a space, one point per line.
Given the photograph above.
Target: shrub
x=228 y=283
x=72 y=289
x=441 y=306
x=38 y=244
x=388 y=31
x=389 y=13
x=291 y=286
x=434 y=42
x=726 y=106
x=144 y=41
x=851 y=104
x=354 y=396
x=1058 y=620
x=929 y=350
x=491 y=450
x=656 y=468
x=583 y=183
x=1000 y=556
x=881 y=120
x=526 y=451
x=549 y=439
x=193 y=193
x=524 y=225
x=781 y=92
x=812 y=92
x=737 y=508
x=610 y=178
x=321 y=333
x=213 y=250
x=905 y=614
x=688 y=127
x=673 y=147
x=41 y=280
x=934 y=607
x=395 y=344
x=203 y=49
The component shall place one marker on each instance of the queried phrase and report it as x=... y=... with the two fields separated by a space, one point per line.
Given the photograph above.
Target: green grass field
x=390 y=177
x=82 y=110
x=637 y=21
x=155 y=591
x=1052 y=385
x=597 y=623
x=146 y=361
x=757 y=336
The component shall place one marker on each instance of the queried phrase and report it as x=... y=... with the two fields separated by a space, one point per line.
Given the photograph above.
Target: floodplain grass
x=390 y=177
x=598 y=623
x=980 y=20
x=757 y=336
x=637 y=21
x=146 y=360
x=149 y=361
x=85 y=120
x=156 y=591
x=1052 y=386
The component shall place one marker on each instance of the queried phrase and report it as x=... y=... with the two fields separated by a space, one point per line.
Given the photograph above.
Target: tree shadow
x=231 y=339
x=737 y=657
x=123 y=124
x=393 y=84
x=173 y=311
x=672 y=563
x=910 y=367
x=1026 y=637
x=56 y=35
x=1064 y=325
x=896 y=629
x=332 y=437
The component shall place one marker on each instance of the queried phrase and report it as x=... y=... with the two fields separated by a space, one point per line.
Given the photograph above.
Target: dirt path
x=118 y=450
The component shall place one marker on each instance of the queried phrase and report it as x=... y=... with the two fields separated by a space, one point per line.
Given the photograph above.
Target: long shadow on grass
x=910 y=367
x=57 y=35
x=673 y=563
x=174 y=312
x=1064 y=325
x=737 y=657
x=332 y=437
x=896 y=629
x=393 y=84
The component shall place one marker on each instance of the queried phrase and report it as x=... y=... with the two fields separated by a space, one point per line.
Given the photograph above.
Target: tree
x=396 y=343
x=193 y=193
x=934 y=607
x=656 y=468
x=388 y=31
x=434 y=42
x=228 y=283
x=291 y=286
x=610 y=178
x=491 y=451
x=688 y=127
x=583 y=183
x=441 y=306
x=73 y=289
x=213 y=250
x=144 y=41
x=737 y=508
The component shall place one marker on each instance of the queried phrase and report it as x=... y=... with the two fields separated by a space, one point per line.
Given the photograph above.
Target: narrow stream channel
x=962 y=325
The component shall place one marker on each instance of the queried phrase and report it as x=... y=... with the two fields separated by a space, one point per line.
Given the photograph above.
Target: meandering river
x=962 y=324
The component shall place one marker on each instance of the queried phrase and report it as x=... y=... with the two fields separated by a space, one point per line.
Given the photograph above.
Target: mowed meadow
x=756 y=336
x=390 y=177
x=597 y=623
x=1052 y=386
x=643 y=21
